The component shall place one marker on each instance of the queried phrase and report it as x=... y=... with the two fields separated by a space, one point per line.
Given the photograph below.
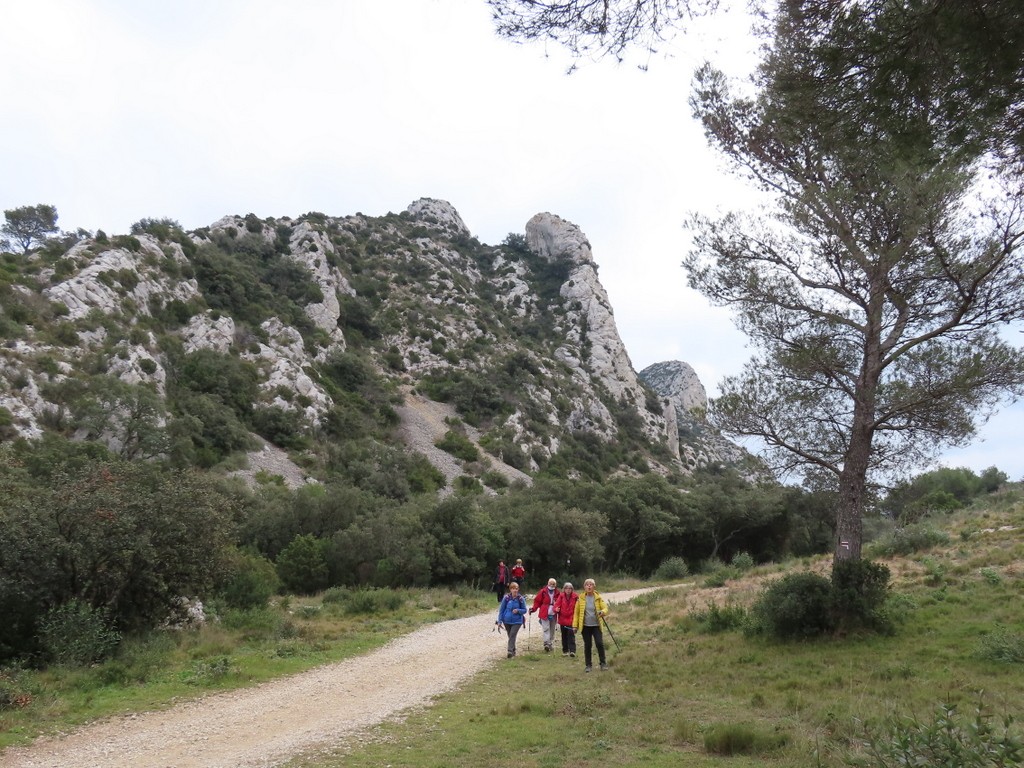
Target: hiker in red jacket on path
x=544 y=606
x=565 y=607
x=519 y=575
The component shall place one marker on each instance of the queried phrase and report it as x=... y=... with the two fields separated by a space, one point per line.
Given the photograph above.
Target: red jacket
x=542 y=600
x=565 y=606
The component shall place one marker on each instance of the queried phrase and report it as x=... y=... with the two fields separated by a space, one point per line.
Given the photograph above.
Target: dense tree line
x=129 y=538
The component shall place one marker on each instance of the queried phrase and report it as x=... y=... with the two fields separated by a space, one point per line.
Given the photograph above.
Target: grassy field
x=680 y=693
x=686 y=686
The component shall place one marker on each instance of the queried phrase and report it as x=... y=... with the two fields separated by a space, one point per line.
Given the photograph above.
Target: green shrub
x=742 y=561
x=459 y=446
x=860 y=589
x=1002 y=645
x=721 y=619
x=302 y=565
x=741 y=739
x=75 y=634
x=672 y=568
x=251 y=581
x=335 y=596
x=717 y=573
x=372 y=601
x=948 y=740
x=906 y=541
x=467 y=485
x=797 y=605
x=13 y=692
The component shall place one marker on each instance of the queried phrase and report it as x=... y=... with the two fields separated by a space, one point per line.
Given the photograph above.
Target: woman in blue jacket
x=512 y=613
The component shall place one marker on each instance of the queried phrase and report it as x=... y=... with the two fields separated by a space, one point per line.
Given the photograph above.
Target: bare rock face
x=700 y=445
x=678 y=382
x=595 y=348
x=439 y=213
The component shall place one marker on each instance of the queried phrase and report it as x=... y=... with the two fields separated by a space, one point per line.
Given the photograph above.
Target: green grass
x=679 y=694
x=680 y=691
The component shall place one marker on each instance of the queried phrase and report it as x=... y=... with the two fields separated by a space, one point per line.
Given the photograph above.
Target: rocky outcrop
x=679 y=384
x=595 y=349
x=700 y=445
x=519 y=340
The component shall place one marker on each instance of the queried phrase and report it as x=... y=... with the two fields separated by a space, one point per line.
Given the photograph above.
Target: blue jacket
x=508 y=604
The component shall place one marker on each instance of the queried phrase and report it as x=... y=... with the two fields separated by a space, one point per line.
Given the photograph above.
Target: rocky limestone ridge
x=592 y=319
x=700 y=445
x=679 y=383
x=444 y=306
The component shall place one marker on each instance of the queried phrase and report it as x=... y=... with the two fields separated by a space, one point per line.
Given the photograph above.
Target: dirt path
x=268 y=724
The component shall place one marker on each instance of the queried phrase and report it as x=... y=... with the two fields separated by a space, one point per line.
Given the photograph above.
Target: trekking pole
x=617 y=648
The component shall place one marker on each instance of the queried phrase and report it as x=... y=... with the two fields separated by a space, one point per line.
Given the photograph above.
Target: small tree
x=30 y=224
x=302 y=565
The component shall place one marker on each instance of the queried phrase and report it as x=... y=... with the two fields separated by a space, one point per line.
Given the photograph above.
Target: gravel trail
x=272 y=722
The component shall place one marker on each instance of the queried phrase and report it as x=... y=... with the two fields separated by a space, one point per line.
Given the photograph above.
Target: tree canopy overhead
x=876 y=288
x=596 y=27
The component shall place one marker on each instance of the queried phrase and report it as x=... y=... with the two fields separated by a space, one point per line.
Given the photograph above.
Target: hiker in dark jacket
x=502 y=577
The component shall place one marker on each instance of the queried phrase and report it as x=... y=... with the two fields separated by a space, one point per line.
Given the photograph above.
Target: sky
x=118 y=110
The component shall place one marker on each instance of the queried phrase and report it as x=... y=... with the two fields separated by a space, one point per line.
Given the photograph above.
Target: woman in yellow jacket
x=590 y=609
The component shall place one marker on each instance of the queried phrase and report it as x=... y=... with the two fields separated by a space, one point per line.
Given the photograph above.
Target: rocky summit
x=259 y=345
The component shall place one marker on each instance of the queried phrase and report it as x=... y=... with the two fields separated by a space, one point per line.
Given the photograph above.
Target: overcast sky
x=116 y=110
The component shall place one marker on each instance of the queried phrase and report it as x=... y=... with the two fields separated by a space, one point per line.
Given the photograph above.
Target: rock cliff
x=320 y=331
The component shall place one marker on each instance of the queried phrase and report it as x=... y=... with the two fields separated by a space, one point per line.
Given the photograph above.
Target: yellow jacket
x=581 y=606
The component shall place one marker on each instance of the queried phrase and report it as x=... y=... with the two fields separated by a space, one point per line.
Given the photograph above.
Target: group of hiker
x=564 y=608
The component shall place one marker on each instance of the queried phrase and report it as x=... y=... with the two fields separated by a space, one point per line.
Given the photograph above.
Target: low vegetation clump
x=946 y=738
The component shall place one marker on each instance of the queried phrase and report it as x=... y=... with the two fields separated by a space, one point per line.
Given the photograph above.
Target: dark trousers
x=592 y=635
x=568 y=640
x=499 y=589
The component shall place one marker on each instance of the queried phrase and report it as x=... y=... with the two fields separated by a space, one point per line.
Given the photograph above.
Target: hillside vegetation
x=689 y=683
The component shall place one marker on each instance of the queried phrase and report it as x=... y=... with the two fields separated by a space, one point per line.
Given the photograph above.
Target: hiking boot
x=572 y=654
x=510 y=655
x=604 y=667
x=565 y=653
x=589 y=669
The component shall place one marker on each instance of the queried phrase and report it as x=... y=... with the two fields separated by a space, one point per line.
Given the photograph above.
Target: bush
x=723 y=619
x=906 y=541
x=372 y=601
x=741 y=739
x=860 y=589
x=458 y=446
x=75 y=635
x=302 y=565
x=742 y=561
x=122 y=535
x=797 y=605
x=947 y=740
x=672 y=568
x=13 y=692
x=1002 y=645
x=251 y=581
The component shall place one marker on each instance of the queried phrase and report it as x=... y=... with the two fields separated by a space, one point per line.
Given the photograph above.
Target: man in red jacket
x=544 y=604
